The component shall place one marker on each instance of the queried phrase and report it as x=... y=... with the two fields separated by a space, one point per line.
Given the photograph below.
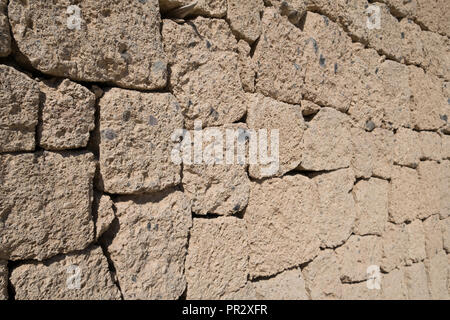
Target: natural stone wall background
x=86 y=177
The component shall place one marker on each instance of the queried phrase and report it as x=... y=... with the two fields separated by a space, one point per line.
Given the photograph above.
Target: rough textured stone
x=282 y=224
x=309 y=108
x=56 y=279
x=430 y=188
x=383 y=156
x=203 y=63
x=337 y=211
x=395 y=247
x=359 y=291
x=404 y=196
x=433 y=238
x=247 y=68
x=446 y=234
x=288 y=285
x=446 y=147
x=416 y=282
x=327 y=142
x=105 y=214
x=371 y=199
x=445 y=189
x=155 y=229
x=437 y=277
x=5 y=39
x=322 y=276
x=356 y=255
x=217 y=260
x=244 y=18
x=268 y=114
x=68 y=111
x=108 y=47
x=430 y=145
x=218 y=188
x=407 y=150
x=19 y=107
x=135 y=147
x=3 y=280
x=416 y=242
x=393 y=286
x=209 y=8
x=45 y=204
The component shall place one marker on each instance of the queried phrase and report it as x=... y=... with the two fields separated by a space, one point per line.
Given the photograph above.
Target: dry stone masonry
x=98 y=98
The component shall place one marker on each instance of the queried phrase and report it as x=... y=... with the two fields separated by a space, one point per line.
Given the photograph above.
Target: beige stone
x=363 y=156
x=395 y=247
x=359 y=291
x=446 y=234
x=244 y=18
x=109 y=46
x=416 y=242
x=383 y=158
x=203 y=68
x=209 y=8
x=404 y=195
x=356 y=255
x=19 y=107
x=217 y=260
x=267 y=114
x=5 y=39
x=327 y=142
x=416 y=282
x=322 y=276
x=393 y=286
x=445 y=189
x=45 y=204
x=337 y=210
x=247 y=68
x=433 y=238
x=429 y=188
x=57 y=278
x=105 y=214
x=289 y=285
x=371 y=199
x=407 y=151
x=149 y=248
x=437 y=277
x=68 y=111
x=3 y=280
x=431 y=145
x=309 y=108
x=446 y=147
x=282 y=224
x=136 y=141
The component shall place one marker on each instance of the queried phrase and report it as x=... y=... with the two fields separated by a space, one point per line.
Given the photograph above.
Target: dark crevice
x=11 y=290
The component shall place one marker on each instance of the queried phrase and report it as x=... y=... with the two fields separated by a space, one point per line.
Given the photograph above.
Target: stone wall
x=93 y=205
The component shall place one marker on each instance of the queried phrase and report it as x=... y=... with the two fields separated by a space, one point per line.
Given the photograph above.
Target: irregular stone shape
x=309 y=108
x=407 y=151
x=3 y=280
x=244 y=18
x=416 y=282
x=136 y=144
x=445 y=189
x=209 y=8
x=437 y=277
x=363 y=153
x=360 y=291
x=218 y=188
x=68 y=115
x=76 y=276
x=356 y=255
x=288 y=285
x=395 y=247
x=393 y=286
x=105 y=214
x=19 y=107
x=429 y=188
x=446 y=234
x=371 y=199
x=433 y=238
x=108 y=46
x=45 y=204
x=430 y=145
x=5 y=39
x=445 y=146
x=247 y=67
x=203 y=77
x=217 y=260
x=383 y=156
x=149 y=248
x=416 y=242
x=267 y=114
x=404 y=195
x=322 y=276
x=246 y=293
x=337 y=210
x=282 y=224
x=327 y=143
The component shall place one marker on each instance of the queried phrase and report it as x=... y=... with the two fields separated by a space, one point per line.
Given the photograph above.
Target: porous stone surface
x=407 y=151
x=19 y=108
x=136 y=141
x=282 y=219
x=5 y=39
x=289 y=285
x=446 y=234
x=437 y=279
x=47 y=35
x=203 y=62
x=404 y=195
x=45 y=204
x=417 y=282
x=217 y=260
x=244 y=18
x=154 y=228
x=3 y=280
x=209 y=8
x=68 y=111
x=105 y=214
x=76 y=276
